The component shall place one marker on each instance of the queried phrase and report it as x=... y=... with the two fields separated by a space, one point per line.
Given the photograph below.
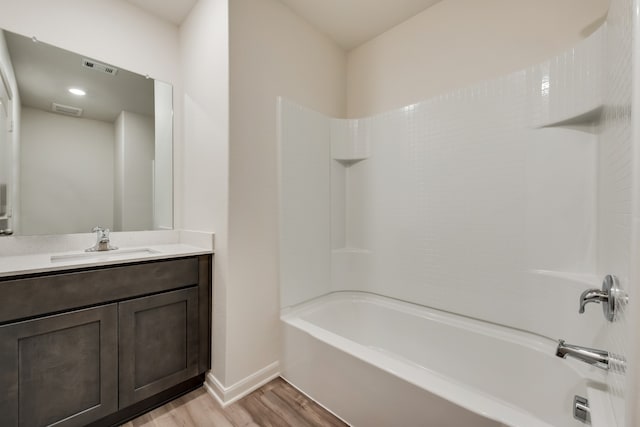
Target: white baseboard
x=227 y=395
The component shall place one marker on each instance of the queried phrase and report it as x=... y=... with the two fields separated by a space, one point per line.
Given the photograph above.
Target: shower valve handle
x=611 y=297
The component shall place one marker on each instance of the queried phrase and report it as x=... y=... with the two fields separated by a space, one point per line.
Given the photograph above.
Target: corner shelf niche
x=577 y=121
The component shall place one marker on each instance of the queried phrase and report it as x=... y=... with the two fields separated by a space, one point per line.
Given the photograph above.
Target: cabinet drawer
x=20 y=298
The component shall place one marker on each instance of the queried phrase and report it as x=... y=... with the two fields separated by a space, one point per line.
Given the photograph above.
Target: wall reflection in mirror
x=82 y=143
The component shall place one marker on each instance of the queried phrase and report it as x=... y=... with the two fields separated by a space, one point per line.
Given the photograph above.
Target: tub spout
x=600 y=358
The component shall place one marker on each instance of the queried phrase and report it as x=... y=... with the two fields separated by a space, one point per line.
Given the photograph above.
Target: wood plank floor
x=276 y=404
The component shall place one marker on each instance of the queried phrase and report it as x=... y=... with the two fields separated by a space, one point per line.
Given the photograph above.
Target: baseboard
x=227 y=395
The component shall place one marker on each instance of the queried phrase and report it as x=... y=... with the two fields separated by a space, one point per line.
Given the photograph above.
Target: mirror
x=82 y=143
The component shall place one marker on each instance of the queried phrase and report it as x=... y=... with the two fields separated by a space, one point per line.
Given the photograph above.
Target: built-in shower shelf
x=588 y=117
x=349 y=162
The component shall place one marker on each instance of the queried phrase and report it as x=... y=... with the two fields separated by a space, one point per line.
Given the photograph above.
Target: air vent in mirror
x=94 y=65
x=66 y=110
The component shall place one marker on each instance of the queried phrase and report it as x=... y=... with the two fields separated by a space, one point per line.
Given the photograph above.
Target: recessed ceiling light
x=77 y=91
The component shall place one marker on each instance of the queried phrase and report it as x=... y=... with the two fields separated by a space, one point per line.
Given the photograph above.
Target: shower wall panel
x=615 y=171
x=482 y=201
x=305 y=203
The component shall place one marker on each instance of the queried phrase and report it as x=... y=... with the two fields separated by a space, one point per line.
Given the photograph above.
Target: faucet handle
x=102 y=243
x=612 y=297
x=103 y=233
x=592 y=295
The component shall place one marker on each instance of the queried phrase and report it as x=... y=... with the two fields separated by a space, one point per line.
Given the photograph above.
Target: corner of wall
x=227 y=395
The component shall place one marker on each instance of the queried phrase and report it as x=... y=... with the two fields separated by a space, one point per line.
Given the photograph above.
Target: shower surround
x=492 y=202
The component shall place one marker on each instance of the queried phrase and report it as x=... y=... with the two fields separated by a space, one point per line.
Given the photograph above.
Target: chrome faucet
x=102 y=244
x=600 y=358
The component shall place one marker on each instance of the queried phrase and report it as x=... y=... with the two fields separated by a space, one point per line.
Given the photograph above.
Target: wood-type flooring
x=276 y=404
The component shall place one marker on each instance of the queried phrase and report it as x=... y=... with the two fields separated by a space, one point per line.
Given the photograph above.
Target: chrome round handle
x=611 y=296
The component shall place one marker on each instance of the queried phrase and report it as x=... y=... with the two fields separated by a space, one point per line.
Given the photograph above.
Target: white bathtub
x=374 y=361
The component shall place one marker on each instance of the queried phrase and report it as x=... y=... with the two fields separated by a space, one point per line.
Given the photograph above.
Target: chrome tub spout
x=600 y=358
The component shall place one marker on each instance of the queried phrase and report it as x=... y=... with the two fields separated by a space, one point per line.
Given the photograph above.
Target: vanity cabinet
x=102 y=345
x=61 y=367
x=158 y=343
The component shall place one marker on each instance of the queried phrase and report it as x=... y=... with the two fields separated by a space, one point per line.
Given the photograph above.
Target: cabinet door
x=158 y=338
x=59 y=370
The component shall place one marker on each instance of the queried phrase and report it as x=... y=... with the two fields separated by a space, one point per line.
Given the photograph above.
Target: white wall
x=163 y=160
x=456 y=43
x=113 y=31
x=305 y=228
x=64 y=194
x=118 y=172
x=204 y=62
x=632 y=318
x=133 y=172
x=272 y=53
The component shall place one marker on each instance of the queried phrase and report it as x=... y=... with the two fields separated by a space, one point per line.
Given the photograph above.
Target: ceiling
x=353 y=22
x=170 y=10
x=45 y=73
x=348 y=22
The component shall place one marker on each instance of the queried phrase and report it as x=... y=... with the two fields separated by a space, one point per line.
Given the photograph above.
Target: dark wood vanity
x=100 y=345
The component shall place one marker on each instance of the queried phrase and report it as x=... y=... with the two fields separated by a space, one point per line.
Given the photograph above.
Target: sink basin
x=104 y=256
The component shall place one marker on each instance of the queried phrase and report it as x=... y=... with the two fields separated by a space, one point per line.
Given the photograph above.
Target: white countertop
x=23 y=255
x=39 y=263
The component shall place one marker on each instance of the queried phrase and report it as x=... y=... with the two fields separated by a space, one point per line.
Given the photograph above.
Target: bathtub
x=375 y=361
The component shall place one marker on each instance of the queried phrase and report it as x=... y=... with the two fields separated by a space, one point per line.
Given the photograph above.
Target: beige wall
x=460 y=42
x=272 y=53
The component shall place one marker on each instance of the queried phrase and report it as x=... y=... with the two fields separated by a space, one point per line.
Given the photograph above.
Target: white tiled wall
x=615 y=181
x=462 y=205
x=483 y=192
x=502 y=201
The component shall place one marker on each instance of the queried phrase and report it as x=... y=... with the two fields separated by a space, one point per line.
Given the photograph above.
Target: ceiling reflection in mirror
x=82 y=142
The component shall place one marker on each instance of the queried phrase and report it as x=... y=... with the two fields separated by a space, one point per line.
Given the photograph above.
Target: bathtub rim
x=463 y=395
